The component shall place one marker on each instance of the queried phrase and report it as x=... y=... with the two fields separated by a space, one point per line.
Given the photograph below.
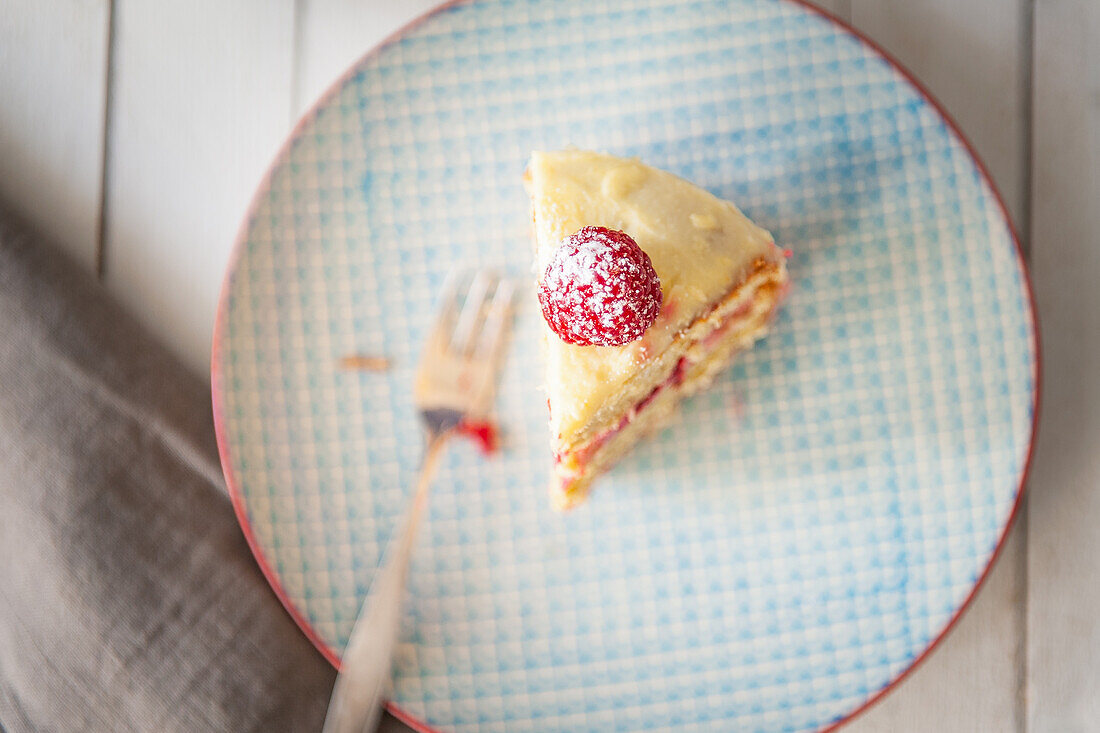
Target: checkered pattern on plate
x=799 y=534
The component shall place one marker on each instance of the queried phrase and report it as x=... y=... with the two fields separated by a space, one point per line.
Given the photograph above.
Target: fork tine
x=446 y=311
x=472 y=311
x=492 y=333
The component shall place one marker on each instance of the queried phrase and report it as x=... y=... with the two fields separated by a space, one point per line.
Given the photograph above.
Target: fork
x=455 y=381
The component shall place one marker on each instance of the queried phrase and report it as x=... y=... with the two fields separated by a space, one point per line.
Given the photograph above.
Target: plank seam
x=1027 y=40
x=104 y=163
x=1027 y=166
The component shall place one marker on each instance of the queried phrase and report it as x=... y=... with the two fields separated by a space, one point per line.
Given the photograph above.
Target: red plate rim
x=237 y=498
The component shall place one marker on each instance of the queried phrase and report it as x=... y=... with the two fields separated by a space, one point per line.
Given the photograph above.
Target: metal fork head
x=457 y=374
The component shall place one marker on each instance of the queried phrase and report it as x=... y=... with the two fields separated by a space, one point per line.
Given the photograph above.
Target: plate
x=798 y=537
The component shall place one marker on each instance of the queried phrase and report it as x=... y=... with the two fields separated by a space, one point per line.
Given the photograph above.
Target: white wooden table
x=133 y=132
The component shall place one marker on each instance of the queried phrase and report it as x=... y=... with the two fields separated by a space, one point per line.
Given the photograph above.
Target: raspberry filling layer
x=580 y=457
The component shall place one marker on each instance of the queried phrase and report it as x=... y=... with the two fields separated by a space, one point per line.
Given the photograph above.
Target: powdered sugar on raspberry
x=600 y=288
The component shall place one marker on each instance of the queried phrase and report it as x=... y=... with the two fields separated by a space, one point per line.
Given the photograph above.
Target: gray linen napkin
x=128 y=598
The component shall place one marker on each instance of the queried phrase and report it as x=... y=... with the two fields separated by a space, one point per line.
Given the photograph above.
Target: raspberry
x=600 y=289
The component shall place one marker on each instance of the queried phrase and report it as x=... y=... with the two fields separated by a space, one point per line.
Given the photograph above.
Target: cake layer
x=765 y=277
x=732 y=327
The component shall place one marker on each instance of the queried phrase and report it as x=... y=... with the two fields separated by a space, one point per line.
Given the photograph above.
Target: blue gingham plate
x=798 y=537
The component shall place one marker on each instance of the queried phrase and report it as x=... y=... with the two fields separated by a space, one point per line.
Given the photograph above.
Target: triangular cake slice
x=721 y=280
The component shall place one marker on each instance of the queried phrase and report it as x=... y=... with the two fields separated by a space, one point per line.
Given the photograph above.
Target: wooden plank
x=201 y=100
x=53 y=83
x=974 y=58
x=1063 y=572
x=332 y=34
x=840 y=8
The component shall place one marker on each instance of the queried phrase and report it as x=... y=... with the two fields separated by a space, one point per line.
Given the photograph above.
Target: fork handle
x=365 y=669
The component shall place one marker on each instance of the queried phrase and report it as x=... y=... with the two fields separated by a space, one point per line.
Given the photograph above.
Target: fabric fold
x=128 y=597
